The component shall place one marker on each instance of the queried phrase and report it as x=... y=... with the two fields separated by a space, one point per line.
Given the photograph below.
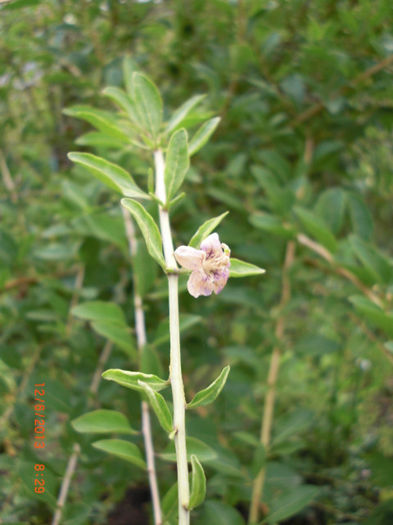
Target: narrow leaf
x=98 y=139
x=240 y=268
x=202 y=135
x=198 y=483
x=128 y=67
x=169 y=502
x=177 y=162
x=316 y=227
x=99 y=311
x=101 y=421
x=272 y=224
x=374 y=261
x=110 y=174
x=219 y=513
x=124 y=101
x=131 y=379
x=148 y=103
x=149 y=229
x=158 y=404
x=209 y=394
x=373 y=313
x=290 y=503
x=360 y=216
x=101 y=120
x=119 y=335
x=205 y=229
x=180 y=114
x=122 y=449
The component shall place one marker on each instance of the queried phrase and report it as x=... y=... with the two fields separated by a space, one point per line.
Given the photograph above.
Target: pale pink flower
x=209 y=265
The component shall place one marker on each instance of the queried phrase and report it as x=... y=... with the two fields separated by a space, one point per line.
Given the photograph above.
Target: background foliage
x=302 y=160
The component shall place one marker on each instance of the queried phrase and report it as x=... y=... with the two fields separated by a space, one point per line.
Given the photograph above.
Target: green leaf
x=376 y=263
x=177 y=162
x=181 y=113
x=202 y=135
x=316 y=227
x=194 y=446
x=128 y=66
x=99 y=421
x=293 y=424
x=259 y=460
x=124 y=101
x=101 y=120
x=361 y=218
x=244 y=269
x=373 y=314
x=331 y=207
x=205 y=229
x=131 y=379
x=218 y=513
x=110 y=174
x=290 y=503
x=169 y=502
x=122 y=449
x=119 y=335
x=272 y=224
x=148 y=103
x=198 y=483
x=158 y=404
x=98 y=139
x=209 y=394
x=149 y=229
x=99 y=311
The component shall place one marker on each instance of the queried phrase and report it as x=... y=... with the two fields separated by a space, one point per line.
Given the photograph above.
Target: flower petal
x=211 y=245
x=220 y=280
x=189 y=257
x=199 y=284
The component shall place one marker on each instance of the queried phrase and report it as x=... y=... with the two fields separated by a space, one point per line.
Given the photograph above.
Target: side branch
x=140 y=329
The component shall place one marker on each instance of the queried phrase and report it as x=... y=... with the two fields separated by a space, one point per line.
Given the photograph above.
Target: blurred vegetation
x=303 y=161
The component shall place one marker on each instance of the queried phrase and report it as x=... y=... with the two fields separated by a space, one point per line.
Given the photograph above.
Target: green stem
x=179 y=404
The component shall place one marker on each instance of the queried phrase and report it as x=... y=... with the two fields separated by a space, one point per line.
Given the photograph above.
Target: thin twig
x=140 y=329
x=71 y=466
x=24 y=282
x=106 y=352
x=320 y=106
x=7 y=178
x=267 y=418
x=325 y=254
x=73 y=459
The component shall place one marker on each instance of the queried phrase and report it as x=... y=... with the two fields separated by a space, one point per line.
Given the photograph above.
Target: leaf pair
x=143 y=105
x=149 y=384
x=110 y=421
x=108 y=320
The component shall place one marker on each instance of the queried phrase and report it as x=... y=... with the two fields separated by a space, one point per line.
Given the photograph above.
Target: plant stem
x=140 y=328
x=175 y=373
x=65 y=485
x=268 y=412
x=325 y=254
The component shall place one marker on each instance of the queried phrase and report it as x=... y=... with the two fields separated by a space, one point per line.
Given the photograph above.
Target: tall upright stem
x=176 y=378
x=268 y=412
x=140 y=329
